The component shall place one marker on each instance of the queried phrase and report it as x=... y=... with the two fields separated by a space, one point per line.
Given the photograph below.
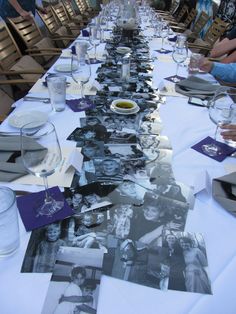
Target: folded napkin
x=224 y=192
x=194 y=86
x=9 y=145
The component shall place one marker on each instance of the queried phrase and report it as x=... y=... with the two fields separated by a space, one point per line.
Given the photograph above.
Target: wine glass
x=94 y=37
x=41 y=155
x=222 y=110
x=82 y=76
x=179 y=55
x=163 y=33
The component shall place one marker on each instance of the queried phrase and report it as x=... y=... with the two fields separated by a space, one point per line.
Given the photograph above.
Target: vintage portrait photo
x=74 y=286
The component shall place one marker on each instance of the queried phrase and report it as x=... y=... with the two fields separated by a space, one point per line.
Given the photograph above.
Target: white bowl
x=124 y=105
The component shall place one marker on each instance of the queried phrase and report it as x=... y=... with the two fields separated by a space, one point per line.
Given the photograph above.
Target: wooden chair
x=58 y=32
x=62 y=16
x=214 y=32
x=176 y=20
x=15 y=69
x=173 y=8
x=42 y=48
x=76 y=18
x=183 y=26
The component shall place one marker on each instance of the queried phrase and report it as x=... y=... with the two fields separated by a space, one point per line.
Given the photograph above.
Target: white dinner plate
x=65 y=68
x=135 y=110
x=37 y=118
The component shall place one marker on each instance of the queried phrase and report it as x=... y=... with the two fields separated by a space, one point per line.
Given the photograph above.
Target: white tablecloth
x=185 y=125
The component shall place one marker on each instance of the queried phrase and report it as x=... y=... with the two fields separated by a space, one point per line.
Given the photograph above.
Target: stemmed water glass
x=41 y=155
x=179 y=55
x=82 y=76
x=222 y=110
x=163 y=33
x=94 y=37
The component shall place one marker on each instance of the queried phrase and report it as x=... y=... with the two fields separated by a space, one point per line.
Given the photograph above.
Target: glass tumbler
x=9 y=228
x=57 y=92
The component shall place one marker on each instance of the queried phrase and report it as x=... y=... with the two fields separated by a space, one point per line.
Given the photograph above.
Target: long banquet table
x=185 y=125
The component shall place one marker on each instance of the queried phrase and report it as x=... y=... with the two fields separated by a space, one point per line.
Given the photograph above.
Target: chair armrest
x=17 y=81
x=13 y=72
x=43 y=49
x=44 y=54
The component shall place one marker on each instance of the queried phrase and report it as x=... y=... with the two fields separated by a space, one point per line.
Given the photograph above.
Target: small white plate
x=65 y=68
x=123 y=50
x=37 y=118
x=135 y=110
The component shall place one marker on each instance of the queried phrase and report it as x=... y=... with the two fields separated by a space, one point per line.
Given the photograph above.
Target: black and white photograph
x=120 y=138
x=138 y=263
x=124 y=151
x=120 y=123
x=128 y=192
x=187 y=261
x=154 y=141
x=74 y=286
x=87 y=197
x=77 y=231
x=88 y=133
x=92 y=149
x=147 y=127
x=108 y=170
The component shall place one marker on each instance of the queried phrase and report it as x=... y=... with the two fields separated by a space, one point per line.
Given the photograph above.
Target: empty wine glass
x=222 y=110
x=82 y=76
x=163 y=33
x=41 y=155
x=179 y=55
x=94 y=37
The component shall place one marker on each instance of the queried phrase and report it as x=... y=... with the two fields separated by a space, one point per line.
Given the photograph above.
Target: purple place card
x=29 y=204
x=172 y=77
x=163 y=51
x=225 y=150
x=76 y=106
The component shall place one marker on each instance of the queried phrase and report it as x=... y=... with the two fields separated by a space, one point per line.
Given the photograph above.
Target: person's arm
x=224 y=72
x=76 y=299
x=25 y=14
x=229 y=132
x=202 y=258
x=222 y=47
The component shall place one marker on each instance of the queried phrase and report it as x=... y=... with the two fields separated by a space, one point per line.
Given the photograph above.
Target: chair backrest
x=49 y=21
x=191 y=16
x=61 y=13
x=81 y=5
x=200 y=22
x=181 y=13
x=174 y=6
x=216 y=29
x=69 y=9
x=9 y=51
x=28 y=30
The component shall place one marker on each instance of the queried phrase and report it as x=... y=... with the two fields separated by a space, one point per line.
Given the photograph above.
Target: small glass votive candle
x=194 y=63
x=9 y=228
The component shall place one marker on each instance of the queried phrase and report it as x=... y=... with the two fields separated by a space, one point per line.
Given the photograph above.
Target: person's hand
x=229 y=132
x=26 y=15
x=206 y=65
x=42 y=10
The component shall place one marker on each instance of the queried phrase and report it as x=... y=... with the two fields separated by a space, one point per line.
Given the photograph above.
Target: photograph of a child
x=92 y=149
x=74 y=286
x=86 y=198
x=108 y=169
